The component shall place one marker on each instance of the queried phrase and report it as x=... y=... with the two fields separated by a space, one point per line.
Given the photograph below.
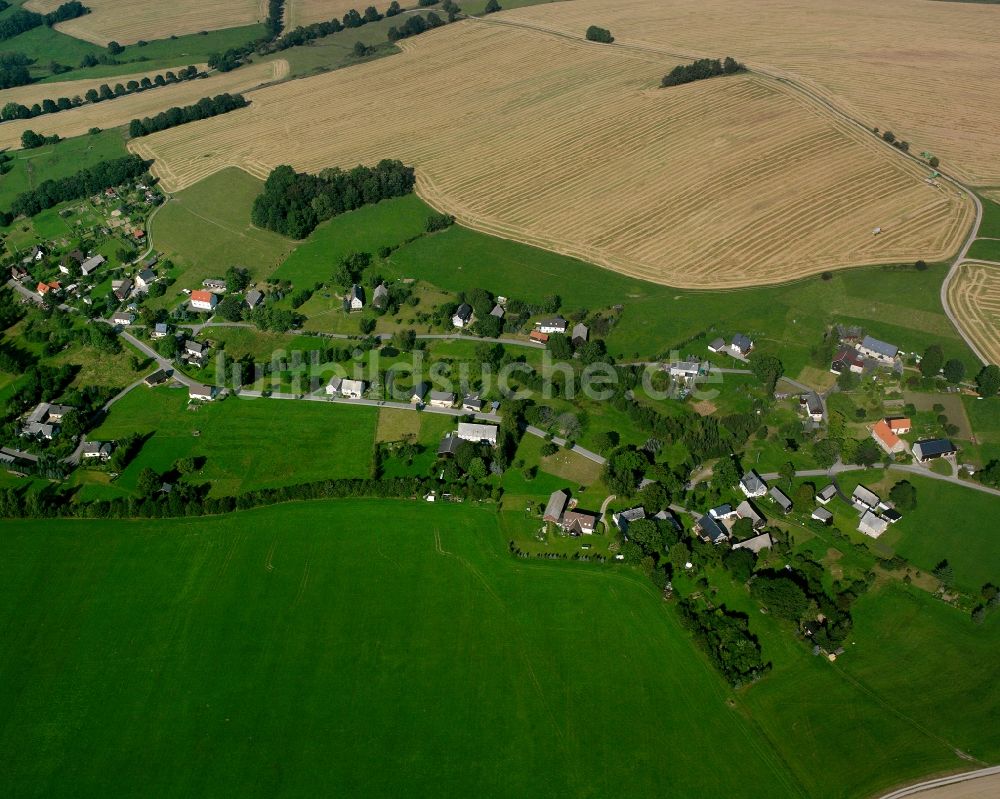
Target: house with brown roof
x=886 y=439
x=579 y=522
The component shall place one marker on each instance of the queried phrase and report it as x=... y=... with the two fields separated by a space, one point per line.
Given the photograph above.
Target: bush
x=700 y=70
x=603 y=35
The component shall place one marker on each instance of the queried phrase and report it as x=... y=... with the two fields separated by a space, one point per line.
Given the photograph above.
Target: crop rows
x=927 y=71
x=126 y=23
x=306 y=12
x=974 y=296
x=569 y=146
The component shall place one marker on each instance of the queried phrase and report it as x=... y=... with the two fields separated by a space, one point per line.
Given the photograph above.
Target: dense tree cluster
x=96 y=95
x=20 y=21
x=414 y=25
x=293 y=203
x=206 y=107
x=81 y=184
x=275 y=18
x=602 y=35
x=701 y=69
x=14 y=70
x=725 y=637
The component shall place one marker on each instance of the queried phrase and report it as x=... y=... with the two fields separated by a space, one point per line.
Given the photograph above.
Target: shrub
x=602 y=35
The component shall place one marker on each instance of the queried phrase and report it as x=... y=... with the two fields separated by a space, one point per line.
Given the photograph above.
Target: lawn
x=206 y=229
x=990 y=227
x=411 y=655
x=246 y=444
x=53 y=161
x=985 y=249
x=408 y=654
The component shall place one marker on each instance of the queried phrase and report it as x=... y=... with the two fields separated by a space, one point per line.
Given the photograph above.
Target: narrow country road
x=979 y=784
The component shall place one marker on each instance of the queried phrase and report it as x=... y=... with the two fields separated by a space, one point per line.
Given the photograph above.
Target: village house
x=687 y=370
x=864 y=499
x=711 y=529
x=826 y=494
x=472 y=403
x=160 y=330
x=899 y=425
x=812 y=406
x=755 y=544
x=35 y=254
x=478 y=433
x=580 y=334
x=90 y=265
x=554 y=325
x=202 y=300
x=355 y=299
x=121 y=289
x=847 y=359
x=741 y=345
x=555 y=506
x=70 y=261
x=752 y=485
x=214 y=284
x=822 y=515
x=498 y=311
x=932 y=449
x=201 y=393
x=717 y=345
x=872 y=524
x=419 y=392
x=17 y=273
x=380 y=296
x=93 y=450
x=886 y=439
x=353 y=389
x=781 y=499
x=746 y=510
x=878 y=350
x=43 y=421
x=254 y=298
x=44 y=288
x=723 y=512
x=540 y=337
x=442 y=399
x=579 y=522
x=145 y=279
x=195 y=349
x=122 y=318
x=155 y=378
x=462 y=316
x=623 y=518
x=449 y=445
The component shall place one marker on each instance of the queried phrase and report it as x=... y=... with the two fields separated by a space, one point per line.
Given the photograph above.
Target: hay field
x=567 y=146
x=126 y=23
x=974 y=297
x=925 y=70
x=36 y=92
x=306 y=12
x=122 y=110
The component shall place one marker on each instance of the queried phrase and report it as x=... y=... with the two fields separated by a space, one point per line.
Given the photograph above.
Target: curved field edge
x=974 y=296
x=718 y=246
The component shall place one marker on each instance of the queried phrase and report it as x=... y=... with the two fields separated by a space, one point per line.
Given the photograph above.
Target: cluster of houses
x=875 y=516
x=886 y=433
x=544 y=328
x=563 y=512
x=207 y=297
x=355 y=299
x=717 y=525
x=739 y=347
x=44 y=422
x=856 y=355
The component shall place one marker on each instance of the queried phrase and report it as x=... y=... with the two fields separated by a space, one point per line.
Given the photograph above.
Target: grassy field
x=422 y=636
x=714 y=210
x=31 y=167
x=206 y=229
x=246 y=444
x=199 y=651
x=986 y=249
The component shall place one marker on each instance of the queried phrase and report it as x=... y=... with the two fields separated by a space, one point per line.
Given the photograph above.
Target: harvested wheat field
x=36 y=92
x=306 y=12
x=925 y=70
x=121 y=110
x=567 y=145
x=974 y=297
x=128 y=22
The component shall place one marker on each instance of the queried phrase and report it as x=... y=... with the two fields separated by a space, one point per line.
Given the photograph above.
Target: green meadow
x=245 y=444
x=392 y=648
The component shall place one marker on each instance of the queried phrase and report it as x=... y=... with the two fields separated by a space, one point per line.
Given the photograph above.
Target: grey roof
x=464 y=312
x=161 y=327
x=712 y=528
x=379 y=294
x=473 y=401
x=200 y=390
x=497 y=311
x=91 y=264
x=442 y=396
x=867 y=496
x=477 y=432
x=194 y=346
x=214 y=283
x=622 y=518
x=755 y=544
x=781 y=498
x=753 y=482
x=717 y=344
x=721 y=510
x=254 y=297
x=147 y=275
x=581 y=331
x=881 y=347
x=814 y=404
x=449 y=444
x=420 y=389
x=822 y=514
x=828 y=493
x=356 y=293
x=933 y=447
x=96 y=448
x=742 y=342
x=555 y=321
x=556 y=505
x=872 y=525
x=746 y=510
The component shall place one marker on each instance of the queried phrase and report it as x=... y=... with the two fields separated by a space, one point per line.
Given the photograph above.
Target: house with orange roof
x=899 y=425
x=203 y=300
x=887 y=439
x=45 y=288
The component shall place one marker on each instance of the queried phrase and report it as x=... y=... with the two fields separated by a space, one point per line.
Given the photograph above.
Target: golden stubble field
x=567 y=145
x=974 y=296
x=36 y=92
x=306 y=12
x=121 y=110
x=128 y=22
x=925 y=70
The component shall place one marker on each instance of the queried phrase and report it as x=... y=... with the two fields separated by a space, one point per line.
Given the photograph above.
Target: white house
x=355 y=298
x=462 y=316
x=872 y=525
x=96 y=449
x=442 y=399
x=478 y=433
x=202 y=300
x=554 y=325
x=878 y=350
x=145 y=279
x=200 y=392
x=752 y=485
x=122 y=318
x=354 y=389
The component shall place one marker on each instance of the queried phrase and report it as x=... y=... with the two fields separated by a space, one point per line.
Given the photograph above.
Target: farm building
x=872 y=524
x=746 y=510
x=554 y=325
x=579 y=522
x=899 y=425
x=555 y=506
x=878 y=350
x=202 y=300
x=201 y=393
x=717 y=345
x=825 y=495
x=449 y=445
x=380 y=296
x=865 y=499
x=741 y=345
x=580 y=334
x=822 y=515
x=442 y=399
x=847 y=359
x=214 y=284
x=755 y=544
x=687 y=370
x=121 y=289
x=782 y=499
x=478 y=433
x=539 y=336
x=932 y=449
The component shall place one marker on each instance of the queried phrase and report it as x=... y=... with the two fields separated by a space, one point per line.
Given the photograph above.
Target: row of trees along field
x=293 y=203
x=81 y=184
x=96 y=95
x=206 y=107
x=701 y=69
x=20 y=21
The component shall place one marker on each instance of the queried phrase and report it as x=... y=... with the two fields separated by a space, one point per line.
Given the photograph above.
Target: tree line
x=206 y=107
x=415 y=25
x=14 y=70
x=700 y=69
x=74 y=187
x=101 y=93
x=293 y=203
x=20 y=21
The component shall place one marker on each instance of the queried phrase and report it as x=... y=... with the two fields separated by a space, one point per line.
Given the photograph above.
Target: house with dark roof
x=781 y=499
x=812 y=406
x=380 y=296
x=717 y=345
x=847 y=359
x=155 y=378
x=472 y=403
x=932 y=449
x=449 y=445
x=442 y=399
x=145 y=279
x=822 y=515
x=878 y=350
x=160 y=330
x=355 y=299
x=742 y=344
x=580 y=334
x=723 y=512
x=462 y=317
x=254 y=298
x=755 y=544
x=93 y=450
x=554 y=325
x=711 y=529
x=419 y=392
x=752 y=485
x=579 y=522
x=623 y=518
